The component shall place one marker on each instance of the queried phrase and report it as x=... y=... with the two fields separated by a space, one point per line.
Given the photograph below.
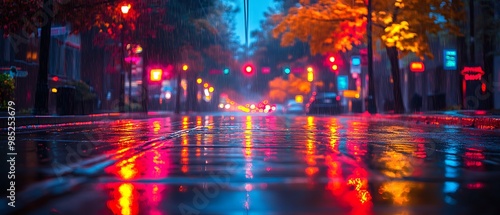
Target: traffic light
x=226 y=71
x=248 y=69
x=333 y=64
x=310 y=77
x=156 y=75
x=331 y=59
x=310 y=74
x=335 y=67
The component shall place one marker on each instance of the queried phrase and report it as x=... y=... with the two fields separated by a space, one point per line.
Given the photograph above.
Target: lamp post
x=124 y=9
x=130 y=55
x=178 y=94
x=372 y=106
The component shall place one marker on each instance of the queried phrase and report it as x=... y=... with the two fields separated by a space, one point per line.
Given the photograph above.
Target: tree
x=267 y=51
x=164 y=36
x=281 y=90
x=402 y=26
x=22 y=18
x=489 y=31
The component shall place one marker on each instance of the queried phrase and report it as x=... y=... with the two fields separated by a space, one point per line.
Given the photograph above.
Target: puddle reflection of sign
x=472 y=73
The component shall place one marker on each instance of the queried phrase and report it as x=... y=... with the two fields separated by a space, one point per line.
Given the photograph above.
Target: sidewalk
x=69 y=119
x=464 y=118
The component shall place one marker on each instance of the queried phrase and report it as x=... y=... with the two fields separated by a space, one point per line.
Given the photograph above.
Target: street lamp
x=124 y=9
x=177 y=110
x=372 y=107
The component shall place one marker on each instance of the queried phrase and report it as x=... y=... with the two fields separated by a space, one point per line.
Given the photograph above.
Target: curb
x=22 y=121
x=482 y=122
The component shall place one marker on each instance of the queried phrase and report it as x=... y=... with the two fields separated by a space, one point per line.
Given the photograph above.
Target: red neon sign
x=472 y=73
x=417 y=67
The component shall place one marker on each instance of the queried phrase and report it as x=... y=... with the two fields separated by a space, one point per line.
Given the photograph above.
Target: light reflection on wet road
x=259 y=165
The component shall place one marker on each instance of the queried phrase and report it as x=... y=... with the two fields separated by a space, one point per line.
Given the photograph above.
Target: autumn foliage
x=280 y=90
x=401 y=26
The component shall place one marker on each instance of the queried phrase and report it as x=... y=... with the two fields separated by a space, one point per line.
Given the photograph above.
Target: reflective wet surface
x=239 y=164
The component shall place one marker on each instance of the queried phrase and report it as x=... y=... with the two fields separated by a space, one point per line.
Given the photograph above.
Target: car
x=324 y=103
x=294 y=107
x=278 y=109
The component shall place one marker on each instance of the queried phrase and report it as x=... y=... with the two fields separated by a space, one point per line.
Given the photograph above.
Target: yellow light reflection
x=398 y=191
x=184 y=159
x=334 y=135
x=125 y=201
x=156 y=127
x=209 y=122
x=398 y=164
x=185 y=122
x=310 y=148
x=199 y=121
x=248 y=147
x=128 y=171
x=127 y=168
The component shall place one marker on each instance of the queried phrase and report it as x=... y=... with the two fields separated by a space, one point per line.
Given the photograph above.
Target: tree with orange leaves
x=281 y=90
x=402 y=26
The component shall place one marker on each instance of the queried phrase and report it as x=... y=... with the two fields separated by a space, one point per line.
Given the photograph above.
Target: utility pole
x=42 y=86
x=121 y=101
x=372 y=106
x=472 y=53
x=177 y=109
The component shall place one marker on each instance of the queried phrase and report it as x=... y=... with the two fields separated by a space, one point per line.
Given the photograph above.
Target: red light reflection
x=473 y=158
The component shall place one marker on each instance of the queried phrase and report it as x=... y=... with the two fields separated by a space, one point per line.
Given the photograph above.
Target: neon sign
x=472 y=73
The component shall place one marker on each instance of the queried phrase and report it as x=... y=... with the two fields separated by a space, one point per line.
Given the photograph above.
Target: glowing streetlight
x=199 y=80
x=125 y=8
x=185 y=67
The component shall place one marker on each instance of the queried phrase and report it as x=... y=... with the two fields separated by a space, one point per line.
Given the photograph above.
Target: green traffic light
x=287 y=70
x=226 y=71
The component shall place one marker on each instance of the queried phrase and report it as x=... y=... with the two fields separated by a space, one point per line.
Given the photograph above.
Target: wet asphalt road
x=238 y=164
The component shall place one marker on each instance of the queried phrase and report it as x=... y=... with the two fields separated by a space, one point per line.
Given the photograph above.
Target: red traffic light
x=248 y=69
x=331 y=59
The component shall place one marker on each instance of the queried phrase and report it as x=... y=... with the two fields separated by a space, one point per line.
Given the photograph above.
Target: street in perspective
x=134 y=107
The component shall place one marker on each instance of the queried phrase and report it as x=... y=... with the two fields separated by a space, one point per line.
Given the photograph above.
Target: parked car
x=324 y=103
x=279 y=109
x=294 y=107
